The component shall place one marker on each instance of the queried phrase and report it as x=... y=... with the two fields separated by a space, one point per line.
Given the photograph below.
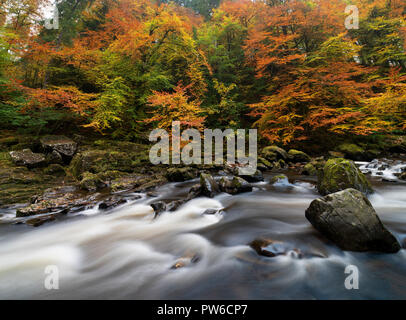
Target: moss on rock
x=340 y=174
x=96 y=161
x=298 y=156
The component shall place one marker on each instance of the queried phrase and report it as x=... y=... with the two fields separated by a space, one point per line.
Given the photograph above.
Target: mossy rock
x=309 y=169
x=395 y=144
x=298 y=156
x=96 y=161
x=7 y=142
x=279 y=152
x=335 y=154
x=281 y=178
x=348 y=219
x=340 y=174
x=234 y=185
x=91 y=182
x=55 y=169
x=109 y=175
x=181 y=174
x=353 y=152
x=265 y=162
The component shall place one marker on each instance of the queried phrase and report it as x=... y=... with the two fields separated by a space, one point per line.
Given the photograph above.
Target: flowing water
x=126 y=253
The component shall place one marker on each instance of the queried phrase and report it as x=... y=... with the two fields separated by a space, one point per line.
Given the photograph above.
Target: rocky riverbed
x=117 y=227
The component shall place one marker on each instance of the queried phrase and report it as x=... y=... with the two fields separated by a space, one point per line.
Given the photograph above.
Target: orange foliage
x=176 y=106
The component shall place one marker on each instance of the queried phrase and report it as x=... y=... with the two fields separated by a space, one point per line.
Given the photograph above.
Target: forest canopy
x=289 y=68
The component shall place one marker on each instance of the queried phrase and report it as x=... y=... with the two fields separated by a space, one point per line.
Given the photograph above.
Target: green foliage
x=111 y=104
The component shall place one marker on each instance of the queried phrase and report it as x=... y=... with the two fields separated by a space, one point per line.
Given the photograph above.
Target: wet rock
x=209 y=186
x=159 y=207
x=340 y=174
x=256 y=177
x=279 y=179
x=61 y=144
x=180 y=174
x=111 y=203
x=39 y=221
x=298 y=156
x=174 y=205
x=28 y=159
x=402 y=176
x=234 y=185
x=212 y=211
x=348 y=219
x=58 y=200
x=264 y=247
x=185 y=261
x=42 y=208
x=194 y=192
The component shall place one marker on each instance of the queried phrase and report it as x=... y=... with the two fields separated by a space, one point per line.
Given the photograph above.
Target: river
x=127 y=254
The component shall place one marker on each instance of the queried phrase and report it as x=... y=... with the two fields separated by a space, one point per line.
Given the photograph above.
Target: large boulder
x=27 y=158
x=348 y=219
x=340 y=174
x=234 y=185
x=61 y=144
x=298 y=156
x=209 y=186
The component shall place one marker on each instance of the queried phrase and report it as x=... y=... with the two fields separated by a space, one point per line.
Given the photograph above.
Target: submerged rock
x=212 y=211
x=185 y=261
x=39 y=221
x=209 y=186
x=159 y=207
x=259 y=245
x=340 y=174
x=111 y=203
x=234 y=185
x=348 y=219
x=270 y=248
x=194 y=192
x=28 y=159
x=174 y=205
